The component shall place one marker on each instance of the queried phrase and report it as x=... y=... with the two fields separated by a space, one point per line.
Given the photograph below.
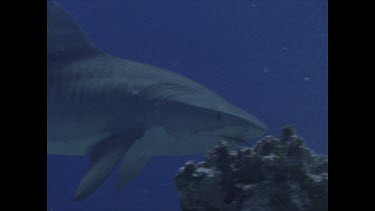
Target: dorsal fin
x=65 y=40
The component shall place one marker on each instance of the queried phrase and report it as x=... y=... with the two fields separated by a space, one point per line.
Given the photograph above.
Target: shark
x=120 y=112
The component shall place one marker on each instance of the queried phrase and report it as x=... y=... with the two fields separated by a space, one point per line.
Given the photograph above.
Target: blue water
x=267 y=57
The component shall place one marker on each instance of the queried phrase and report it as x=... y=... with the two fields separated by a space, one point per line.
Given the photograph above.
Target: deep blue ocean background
x=268 y=57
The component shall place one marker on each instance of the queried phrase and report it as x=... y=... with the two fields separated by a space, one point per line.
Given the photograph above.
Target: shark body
x=119 y=111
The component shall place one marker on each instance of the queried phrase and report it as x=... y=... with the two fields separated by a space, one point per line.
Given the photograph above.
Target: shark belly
x=157 y=141
x=72 y=131
x=74 y=125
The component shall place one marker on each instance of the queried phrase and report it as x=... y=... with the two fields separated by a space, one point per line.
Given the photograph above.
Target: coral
x=277 y=174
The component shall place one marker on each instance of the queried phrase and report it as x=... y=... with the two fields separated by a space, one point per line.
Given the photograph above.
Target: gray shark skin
x=122 y=112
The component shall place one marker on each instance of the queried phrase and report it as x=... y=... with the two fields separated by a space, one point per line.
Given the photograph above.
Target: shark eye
x=218 y=116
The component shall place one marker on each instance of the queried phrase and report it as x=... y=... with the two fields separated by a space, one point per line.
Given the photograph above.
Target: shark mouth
x=234 y=139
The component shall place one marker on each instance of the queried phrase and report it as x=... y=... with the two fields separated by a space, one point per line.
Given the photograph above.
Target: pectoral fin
x=131 y=165
x=104 y=156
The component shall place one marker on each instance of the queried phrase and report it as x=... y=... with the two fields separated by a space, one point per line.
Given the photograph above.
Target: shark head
x=199 y=110
x=234 y=129
x=228 y=122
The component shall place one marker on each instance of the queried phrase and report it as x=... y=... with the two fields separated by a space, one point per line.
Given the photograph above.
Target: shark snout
x=254 y=129
x=254 y=132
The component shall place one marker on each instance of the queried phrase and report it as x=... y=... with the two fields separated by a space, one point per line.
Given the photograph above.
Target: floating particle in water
x=265 y=70
x=306 y=79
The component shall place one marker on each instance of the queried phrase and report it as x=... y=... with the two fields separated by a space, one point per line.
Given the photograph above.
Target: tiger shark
x=121 y=112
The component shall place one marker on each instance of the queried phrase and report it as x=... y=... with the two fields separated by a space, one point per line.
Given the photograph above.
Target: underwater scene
x=191 y=105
